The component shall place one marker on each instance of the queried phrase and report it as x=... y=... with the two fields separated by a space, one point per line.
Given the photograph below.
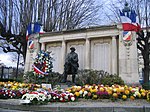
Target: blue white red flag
x=31 y=44
x=38 y=71
x=33 y=28
x=129 y=21
x=127 y=35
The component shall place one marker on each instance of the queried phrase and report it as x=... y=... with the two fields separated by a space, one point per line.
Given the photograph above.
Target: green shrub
x=146 y=86
x=29 y=77
x=89 y=76
x=52 y=78
x=112 y=79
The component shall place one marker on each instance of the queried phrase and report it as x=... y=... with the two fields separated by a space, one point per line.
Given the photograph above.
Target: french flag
x=38 y=71
x=31 y=44
x=34 y=28
x=127 y=35
x=129 y=22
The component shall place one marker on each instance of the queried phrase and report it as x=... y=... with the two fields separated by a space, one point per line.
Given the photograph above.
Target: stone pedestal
x=128 y=60
x=31 y=53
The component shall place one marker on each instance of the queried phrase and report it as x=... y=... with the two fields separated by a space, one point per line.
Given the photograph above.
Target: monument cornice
x=83 y=33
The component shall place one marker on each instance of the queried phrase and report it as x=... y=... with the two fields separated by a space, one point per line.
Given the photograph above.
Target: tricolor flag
x=38 y=71
x=127 y=35
x=31 y=44
x=33 y=28
x=129 y=22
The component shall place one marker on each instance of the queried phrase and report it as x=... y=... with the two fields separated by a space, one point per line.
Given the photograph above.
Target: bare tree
x=55 y=15
x=143 y=40
x=142 y=8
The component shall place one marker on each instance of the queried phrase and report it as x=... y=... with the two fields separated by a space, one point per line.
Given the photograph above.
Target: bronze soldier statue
x=71 y=65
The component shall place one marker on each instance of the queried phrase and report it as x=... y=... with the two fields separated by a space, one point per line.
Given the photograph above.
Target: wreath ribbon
x=38 y=71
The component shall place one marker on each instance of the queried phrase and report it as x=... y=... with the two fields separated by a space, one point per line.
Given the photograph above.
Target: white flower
x=72 y=98
x=86 y=86
x=49 y=97
x=71 y=94
x=61 y=99
x=114 y=90
x=80 y=92
x=31 y=98
x=66 y=96
x=9 y=84
x=54 y=97
x=96 y=87
x=85 y=93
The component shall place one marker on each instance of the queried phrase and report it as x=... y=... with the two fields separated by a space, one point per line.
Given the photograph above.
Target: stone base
x=13 y=105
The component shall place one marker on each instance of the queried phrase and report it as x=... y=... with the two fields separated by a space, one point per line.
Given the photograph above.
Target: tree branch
x=140 y=48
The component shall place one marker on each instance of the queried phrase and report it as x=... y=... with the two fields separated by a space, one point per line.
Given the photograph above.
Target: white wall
x=100 y=56
x=56 y=53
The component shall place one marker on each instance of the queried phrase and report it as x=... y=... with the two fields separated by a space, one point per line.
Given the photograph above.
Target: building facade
x=98 y=48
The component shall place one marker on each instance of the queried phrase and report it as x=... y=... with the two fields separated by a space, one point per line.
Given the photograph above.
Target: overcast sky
x=7 y=59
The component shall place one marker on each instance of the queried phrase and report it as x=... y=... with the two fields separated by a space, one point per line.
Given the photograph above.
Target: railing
x=9 y=72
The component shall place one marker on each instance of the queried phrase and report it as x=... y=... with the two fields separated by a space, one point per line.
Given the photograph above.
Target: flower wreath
x=43 y=63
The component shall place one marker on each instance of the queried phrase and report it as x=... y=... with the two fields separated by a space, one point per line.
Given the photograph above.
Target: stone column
x=87 y=54
x=63 y=55
x=27 y=63
x=114 y=55
x=31 y=53
x=128 y=65
x=43 y=46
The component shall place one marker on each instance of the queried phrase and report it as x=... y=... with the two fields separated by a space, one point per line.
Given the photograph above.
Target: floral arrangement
x=61 y=95
x=16 y=89
x=113 y=92
x=36 y=94
x=43 y=63
x=42 y=97
x=6 y=93
x=35 y=98
x=17 y=86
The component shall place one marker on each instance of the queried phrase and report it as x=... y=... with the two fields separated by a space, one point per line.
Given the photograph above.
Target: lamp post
x=18 y=62
x=126 y=8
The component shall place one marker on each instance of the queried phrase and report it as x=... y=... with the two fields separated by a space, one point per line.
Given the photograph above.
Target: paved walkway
x=82 y=105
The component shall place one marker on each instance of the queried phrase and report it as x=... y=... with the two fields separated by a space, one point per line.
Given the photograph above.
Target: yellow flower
x=78 y=88
x=118 y=90
x=142 y=90
x=148 y=96
x=126 y=87
x=73 y=90
x=115 y=95
x=77 y=94
x=95 y=97
x=101 y=89
x=93 y=90
x=132 y=97
x=143 y=94
x=130 y=88
x=139 y=95
x=127 y=92
x=109 y=92
x=124 y=97
x=121 y=89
